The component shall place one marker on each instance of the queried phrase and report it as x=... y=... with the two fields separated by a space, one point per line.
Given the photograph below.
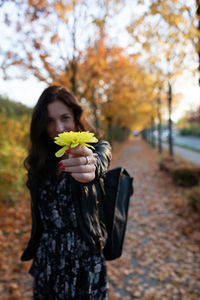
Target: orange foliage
x=116 y=85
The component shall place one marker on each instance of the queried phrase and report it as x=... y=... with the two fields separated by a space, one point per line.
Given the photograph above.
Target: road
x=193 y=142
x=190 y=155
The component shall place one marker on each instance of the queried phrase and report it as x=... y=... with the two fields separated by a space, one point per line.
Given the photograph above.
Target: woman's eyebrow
x=64 y=114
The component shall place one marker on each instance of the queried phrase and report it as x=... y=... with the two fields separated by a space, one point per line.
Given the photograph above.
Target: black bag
x=118 y=188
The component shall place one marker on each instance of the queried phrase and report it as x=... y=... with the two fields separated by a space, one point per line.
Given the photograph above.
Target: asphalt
x=189 y=141
x=190 y=155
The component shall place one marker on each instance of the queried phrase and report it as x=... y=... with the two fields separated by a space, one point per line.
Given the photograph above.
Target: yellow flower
x=72 y=139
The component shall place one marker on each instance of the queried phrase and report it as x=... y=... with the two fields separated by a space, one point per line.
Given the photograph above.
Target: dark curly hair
x=41 y=162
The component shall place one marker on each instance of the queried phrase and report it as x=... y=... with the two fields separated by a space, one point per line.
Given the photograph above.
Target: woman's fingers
x=78 y=156
x=80 y=161
x=80 y=164
x=80 y=151
x=79 y=169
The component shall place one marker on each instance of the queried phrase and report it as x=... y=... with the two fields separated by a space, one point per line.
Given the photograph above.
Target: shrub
x=192 y=130
x=13 y=144
x=183 y=173
x=167 y=163
x=12 y=172
x=194 y=198
x=185 y=176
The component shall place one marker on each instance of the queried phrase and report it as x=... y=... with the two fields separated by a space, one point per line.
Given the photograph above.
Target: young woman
x=68 y=230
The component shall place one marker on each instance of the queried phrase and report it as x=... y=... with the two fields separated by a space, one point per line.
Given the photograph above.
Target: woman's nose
x=59 y=127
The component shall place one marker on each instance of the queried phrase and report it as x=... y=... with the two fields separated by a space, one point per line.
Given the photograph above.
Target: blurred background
x=133 y=64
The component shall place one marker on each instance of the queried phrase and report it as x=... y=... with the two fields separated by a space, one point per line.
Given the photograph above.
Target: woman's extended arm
x=84 y=165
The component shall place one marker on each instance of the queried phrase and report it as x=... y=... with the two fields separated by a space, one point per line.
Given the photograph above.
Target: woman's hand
x=80 y=164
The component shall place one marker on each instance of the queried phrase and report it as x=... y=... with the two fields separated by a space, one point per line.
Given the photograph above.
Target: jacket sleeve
x=103 y=149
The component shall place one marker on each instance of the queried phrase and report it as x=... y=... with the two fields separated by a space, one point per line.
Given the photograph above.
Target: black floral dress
x=64 y=266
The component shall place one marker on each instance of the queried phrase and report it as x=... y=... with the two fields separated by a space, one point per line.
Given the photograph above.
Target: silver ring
x=87 y=162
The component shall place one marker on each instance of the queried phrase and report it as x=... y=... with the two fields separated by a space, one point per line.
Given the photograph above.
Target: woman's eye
x=65 y=117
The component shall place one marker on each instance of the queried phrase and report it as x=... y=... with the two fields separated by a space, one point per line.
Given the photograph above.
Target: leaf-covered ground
x=161 y=257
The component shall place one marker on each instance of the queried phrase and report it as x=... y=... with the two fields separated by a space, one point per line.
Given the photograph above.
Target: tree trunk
x=198 y=27
x=144 y=134
x=109 y=119
x=152 y=132
x=73 y=77
x=170 y=120
x=95 y=113
x=159 y=124
x=74 y=65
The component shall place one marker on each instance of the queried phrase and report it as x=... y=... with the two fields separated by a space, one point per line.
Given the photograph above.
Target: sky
x=24 y=91
x=28 y=91
x=188 y=87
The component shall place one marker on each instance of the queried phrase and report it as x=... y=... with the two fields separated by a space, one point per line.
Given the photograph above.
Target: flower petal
x=90 y=146
x=74 y=144
x=61 y=152
x=73 y=139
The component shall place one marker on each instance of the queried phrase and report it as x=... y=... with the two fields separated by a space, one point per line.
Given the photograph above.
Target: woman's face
x=60 y=119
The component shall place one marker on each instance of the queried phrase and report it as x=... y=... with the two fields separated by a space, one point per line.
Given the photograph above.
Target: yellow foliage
x=13 y=144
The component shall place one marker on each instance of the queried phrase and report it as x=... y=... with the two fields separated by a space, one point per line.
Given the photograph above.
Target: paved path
x=161 y=257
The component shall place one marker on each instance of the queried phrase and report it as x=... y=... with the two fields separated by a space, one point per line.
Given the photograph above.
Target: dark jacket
x=88 y=205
